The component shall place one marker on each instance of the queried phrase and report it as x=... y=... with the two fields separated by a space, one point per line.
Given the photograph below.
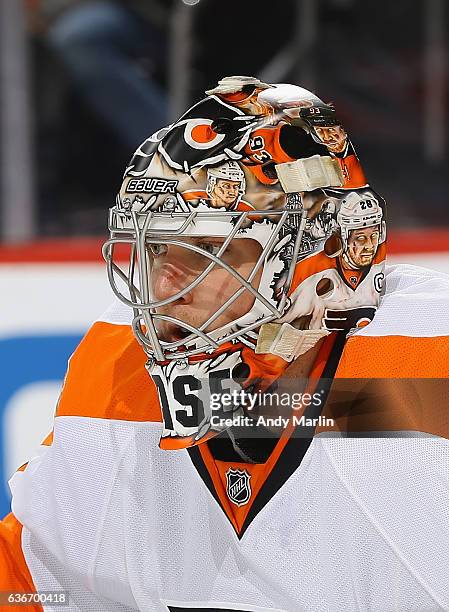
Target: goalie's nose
x=168 y=281
x=170 y=275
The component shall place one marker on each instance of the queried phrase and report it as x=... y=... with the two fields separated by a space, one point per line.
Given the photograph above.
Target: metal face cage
x=278 y=232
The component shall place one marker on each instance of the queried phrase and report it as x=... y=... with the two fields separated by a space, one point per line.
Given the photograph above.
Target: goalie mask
x=230 y=286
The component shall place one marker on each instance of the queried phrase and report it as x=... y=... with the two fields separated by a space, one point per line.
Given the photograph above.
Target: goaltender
x=147 y=497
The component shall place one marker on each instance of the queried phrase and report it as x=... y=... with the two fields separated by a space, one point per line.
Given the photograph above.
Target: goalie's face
x=174 y=267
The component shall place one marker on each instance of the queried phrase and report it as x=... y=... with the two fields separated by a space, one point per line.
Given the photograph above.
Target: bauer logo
x=33 y=369
x=151 y=185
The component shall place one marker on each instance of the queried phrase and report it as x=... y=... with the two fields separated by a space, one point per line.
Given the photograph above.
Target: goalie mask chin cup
x=187 y=184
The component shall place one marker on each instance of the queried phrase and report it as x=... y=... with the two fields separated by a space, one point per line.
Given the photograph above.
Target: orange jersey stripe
x=395 y=357
x=15 y=576
x=391 y=383
x=385 y=405
x=107 y=378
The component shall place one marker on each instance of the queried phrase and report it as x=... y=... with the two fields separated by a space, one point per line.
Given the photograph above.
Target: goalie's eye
x=210 y=247
x=158 y=249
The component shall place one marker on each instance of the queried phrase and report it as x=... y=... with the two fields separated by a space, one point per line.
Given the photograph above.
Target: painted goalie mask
x=250 y=233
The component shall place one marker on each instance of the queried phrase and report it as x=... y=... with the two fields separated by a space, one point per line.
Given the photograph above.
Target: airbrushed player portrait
x=348 y=269
x=325 y=128
x=334 y=138
x=225 y=187
x=361 y=225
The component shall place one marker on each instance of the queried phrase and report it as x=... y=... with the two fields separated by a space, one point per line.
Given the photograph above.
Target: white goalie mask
x=146 y=231
x=277 y=290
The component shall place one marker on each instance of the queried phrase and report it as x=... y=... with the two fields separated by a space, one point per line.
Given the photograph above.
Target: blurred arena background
x=82 y=82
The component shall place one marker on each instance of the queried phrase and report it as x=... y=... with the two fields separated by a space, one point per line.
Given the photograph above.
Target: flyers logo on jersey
x=238 y=486
x=345 y=320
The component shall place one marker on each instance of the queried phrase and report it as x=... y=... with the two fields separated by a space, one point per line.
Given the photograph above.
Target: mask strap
x=286 y=341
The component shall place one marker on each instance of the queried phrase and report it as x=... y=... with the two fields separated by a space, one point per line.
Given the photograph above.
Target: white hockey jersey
x=330 y=524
